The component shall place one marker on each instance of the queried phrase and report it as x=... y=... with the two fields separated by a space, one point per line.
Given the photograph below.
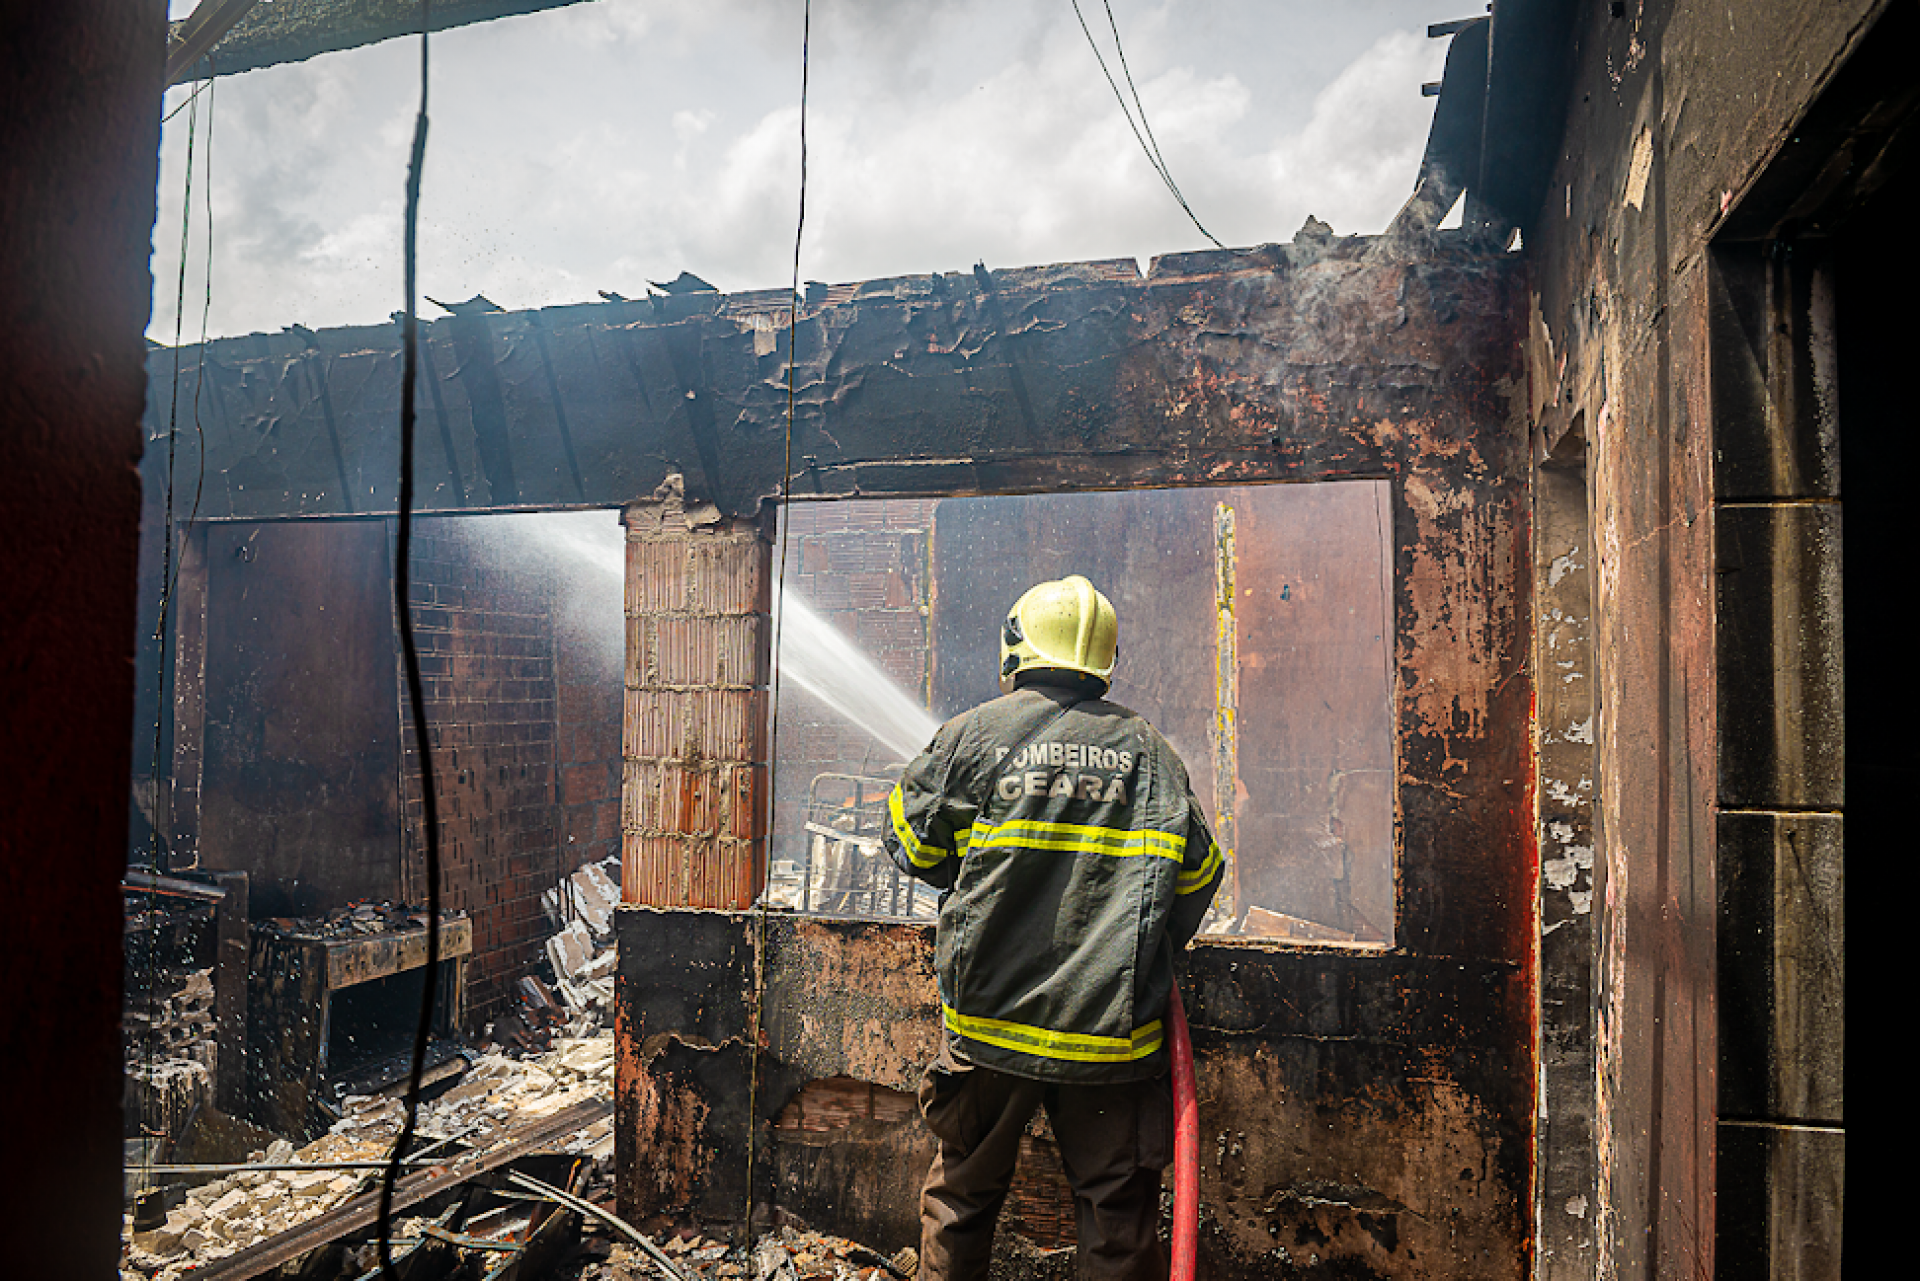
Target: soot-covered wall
x=1368 y=1110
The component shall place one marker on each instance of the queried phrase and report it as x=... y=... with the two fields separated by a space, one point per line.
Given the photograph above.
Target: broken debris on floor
x=550 y=1055
x=787 y=1255
x=498 y=1093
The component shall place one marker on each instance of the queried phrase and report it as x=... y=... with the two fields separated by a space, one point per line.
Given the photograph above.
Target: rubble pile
x=229 y=1214
x=171 y=1049
x=581 y=951
x=503 y=1088
x=351 y=922
x=232 y=1213
x=496 y=1093
x=786 y=1255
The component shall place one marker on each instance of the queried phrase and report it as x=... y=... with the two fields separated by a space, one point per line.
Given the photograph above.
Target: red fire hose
x=1186 y=1143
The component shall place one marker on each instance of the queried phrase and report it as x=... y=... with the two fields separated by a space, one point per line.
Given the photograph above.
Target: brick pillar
x=699 y=635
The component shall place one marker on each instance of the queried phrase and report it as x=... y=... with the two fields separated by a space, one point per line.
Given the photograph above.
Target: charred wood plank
x=363 y=1210
x=295 y=30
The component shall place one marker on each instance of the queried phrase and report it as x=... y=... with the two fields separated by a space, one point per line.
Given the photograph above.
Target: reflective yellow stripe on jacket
x=1077 y=838
x=1200 y=877
x=923 y=855
x=1075 y=1046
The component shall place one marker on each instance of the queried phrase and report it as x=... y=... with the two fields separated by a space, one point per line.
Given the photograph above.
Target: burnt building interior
x=1490 y=580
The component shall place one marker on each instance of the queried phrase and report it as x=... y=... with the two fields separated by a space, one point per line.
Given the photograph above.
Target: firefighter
x=1076 y=863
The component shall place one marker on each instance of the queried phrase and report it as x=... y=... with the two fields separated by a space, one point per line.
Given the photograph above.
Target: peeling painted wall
x=1566 y=1196
x=1688 y=129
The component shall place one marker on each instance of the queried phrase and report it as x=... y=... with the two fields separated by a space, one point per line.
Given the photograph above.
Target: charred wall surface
x=298 y=732
x=1403 y=1078
x=1369 y=1111
x=1297 y=577
x=1217 y=367
x=289 y=760
x=1703 y=156
x=1351 y=1105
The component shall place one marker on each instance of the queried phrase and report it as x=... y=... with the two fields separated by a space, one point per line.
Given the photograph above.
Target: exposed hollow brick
x=709 y=651
x=694 y=717
x=728 y=573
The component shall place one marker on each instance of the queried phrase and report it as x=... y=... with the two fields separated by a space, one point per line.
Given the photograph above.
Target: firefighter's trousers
x=1114 y=1142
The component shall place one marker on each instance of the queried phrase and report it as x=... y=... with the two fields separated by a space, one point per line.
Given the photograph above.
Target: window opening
x=1255 y=634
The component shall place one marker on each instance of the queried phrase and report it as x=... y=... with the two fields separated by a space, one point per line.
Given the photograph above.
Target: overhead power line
x=1142 y=131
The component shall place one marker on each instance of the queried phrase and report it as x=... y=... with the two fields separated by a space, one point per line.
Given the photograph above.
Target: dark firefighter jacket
x=1078 y=863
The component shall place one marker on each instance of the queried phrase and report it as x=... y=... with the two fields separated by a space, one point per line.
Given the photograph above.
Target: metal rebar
x=633 y=1234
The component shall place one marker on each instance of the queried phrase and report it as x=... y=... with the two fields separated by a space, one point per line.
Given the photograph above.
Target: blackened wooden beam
x=295 y=30
x=1283 y=362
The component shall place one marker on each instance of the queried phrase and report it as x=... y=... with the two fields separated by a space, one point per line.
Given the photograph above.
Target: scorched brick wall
x=698 y=598
x=487 y=657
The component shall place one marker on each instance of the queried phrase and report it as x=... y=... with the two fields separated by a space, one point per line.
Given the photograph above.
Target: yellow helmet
x=1064 y=625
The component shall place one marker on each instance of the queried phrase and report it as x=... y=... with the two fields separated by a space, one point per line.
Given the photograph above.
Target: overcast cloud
x=615 y=142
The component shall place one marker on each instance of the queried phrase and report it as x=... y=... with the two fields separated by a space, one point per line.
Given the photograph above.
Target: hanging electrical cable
x=167 y=509
x=157 y=853
x=410 y=660
x=200 y=367
x=779 y=588
x=1142 y=131
x=206 y=314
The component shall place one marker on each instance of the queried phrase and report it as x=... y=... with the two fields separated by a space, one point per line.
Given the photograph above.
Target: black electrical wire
x=1140 y=108
x=166 y=523
x=779 y=598
x=157 y=851
x=200 y=369
x=1148 y=146
x=189 y=100
x=410 y=656
x=206 y=313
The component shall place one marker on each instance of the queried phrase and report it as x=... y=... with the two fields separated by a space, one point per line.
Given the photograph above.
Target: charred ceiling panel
x=1308 y=361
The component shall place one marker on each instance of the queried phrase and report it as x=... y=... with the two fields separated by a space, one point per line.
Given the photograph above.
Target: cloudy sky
x=615 y=142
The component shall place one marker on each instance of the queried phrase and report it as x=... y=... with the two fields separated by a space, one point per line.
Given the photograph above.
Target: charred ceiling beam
x=1451 y=163
x=193 y=37
x=295 y=30
x=1530 y=61
x=1216 y=367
